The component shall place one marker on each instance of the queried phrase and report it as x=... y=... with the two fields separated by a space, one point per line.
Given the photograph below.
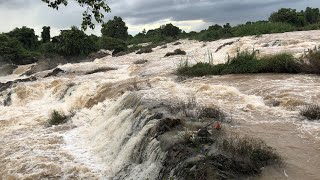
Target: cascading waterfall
x=118 y=137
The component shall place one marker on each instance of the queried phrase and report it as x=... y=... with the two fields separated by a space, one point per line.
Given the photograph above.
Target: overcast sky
x=139 y=14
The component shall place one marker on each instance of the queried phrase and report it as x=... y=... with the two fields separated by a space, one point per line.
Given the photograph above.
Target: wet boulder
x=55 y=72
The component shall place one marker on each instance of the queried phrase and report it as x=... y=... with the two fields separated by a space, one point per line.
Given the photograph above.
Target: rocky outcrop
x=4 y=86
x=55 y=72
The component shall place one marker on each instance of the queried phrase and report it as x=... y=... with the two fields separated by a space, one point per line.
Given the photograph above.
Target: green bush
x=56 y=118
x=261 y=28
x=75 y=42
x=254 y=150
x=312 y=59
x=12 y=51
x=110 y=43
x=280 y=63
x=245 y=62
x=26 y=36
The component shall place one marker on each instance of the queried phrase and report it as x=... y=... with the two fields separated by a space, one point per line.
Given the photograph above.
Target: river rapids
x=106 y=136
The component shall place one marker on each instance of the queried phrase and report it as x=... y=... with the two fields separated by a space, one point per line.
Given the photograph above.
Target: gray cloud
x=137 y=13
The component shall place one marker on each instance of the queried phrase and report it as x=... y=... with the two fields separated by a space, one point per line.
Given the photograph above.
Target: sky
x=189 y=15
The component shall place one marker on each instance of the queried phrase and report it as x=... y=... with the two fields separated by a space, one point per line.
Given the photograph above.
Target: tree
x=287 y=15
x=312 y=15
x=26 y=36
x=12 y=51
x=95 y=8
x=45 y=34
x=115 y=28
x=170 y=30
x=110 y=43
x=75 y=42
x=215 y=27
x=144 y=31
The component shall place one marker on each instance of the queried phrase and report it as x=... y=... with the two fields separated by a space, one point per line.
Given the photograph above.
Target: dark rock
x=98 y=55
x=144 y=50
x=141 y=61
x=163 y=47
x=203 y=133
x=214 y=113
x=49 y=62
x=176 y=52
x=4 y=86
x=55 y=72
x=122 y=53
x=223 y=45
x=157 y=116
x=7 y=100
x=177 y=43
x=163 y=126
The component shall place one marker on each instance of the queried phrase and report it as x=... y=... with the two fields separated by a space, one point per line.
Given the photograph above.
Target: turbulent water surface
x=106 y=135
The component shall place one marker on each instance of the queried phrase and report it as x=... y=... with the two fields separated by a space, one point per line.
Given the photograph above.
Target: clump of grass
x=244 y=62
x=254 y=150
x=145 y=50
x=56 y=118
x=280 y=63
x=311 y=111
x=140 y=61
x=101 y=69
x=176 y=52
x=312 y=61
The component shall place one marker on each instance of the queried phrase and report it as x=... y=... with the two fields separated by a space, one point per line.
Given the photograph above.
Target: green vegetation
x=45 y=34
x=12 y=51
x=254 y=150
x=26 y=36
x=244 y=62
x=75 y=42
x=311 y=111
x=56 y=118
x=115 y=28
x=93 y=8
x=312 y=61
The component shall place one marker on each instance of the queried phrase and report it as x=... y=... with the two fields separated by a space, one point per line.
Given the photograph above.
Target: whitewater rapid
x=110 y=117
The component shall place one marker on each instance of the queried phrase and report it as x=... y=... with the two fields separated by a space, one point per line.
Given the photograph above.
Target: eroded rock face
x=4 y=86
x=193 y=147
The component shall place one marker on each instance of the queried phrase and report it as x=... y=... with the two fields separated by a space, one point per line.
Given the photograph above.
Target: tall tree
x=115 y=28
x=26 y=36
x=170 y=30
x=312 y=15
x=45 y=34
x=75 y=42
x=287 y=15
x=94 y=8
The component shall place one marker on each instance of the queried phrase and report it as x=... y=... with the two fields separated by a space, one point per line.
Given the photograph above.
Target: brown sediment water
x=105 y=135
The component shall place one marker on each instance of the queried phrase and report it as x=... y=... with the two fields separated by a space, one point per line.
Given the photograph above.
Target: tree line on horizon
x=22 y=46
